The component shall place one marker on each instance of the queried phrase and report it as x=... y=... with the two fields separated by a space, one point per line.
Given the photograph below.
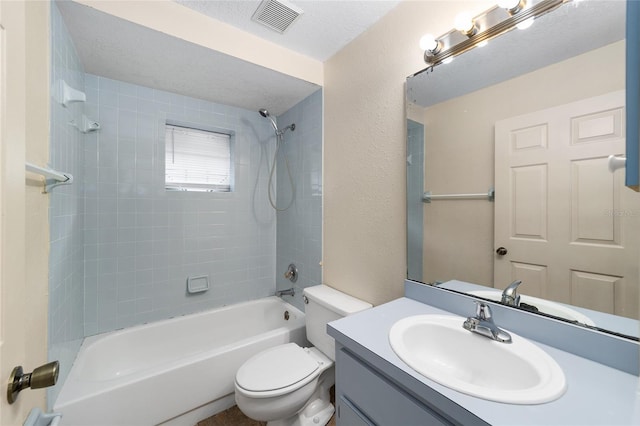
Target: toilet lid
x=276 y=368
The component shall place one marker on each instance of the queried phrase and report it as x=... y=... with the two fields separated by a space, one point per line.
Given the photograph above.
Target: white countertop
x=596 y=394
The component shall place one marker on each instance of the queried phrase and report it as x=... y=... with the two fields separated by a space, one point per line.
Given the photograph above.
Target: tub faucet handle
x=292 y=273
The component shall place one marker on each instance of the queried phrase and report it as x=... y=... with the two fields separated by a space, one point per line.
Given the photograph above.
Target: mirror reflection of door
x=566 y=220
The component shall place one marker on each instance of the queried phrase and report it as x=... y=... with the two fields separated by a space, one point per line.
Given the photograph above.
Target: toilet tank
x=323 y=305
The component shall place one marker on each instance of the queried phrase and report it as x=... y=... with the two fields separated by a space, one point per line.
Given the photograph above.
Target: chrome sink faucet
x=510 y=296
x=483 y=324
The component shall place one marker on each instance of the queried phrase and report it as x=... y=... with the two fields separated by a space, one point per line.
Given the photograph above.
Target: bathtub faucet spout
x=287 y=292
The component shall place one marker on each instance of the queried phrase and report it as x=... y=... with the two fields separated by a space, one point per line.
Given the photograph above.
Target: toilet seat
x=277 y=371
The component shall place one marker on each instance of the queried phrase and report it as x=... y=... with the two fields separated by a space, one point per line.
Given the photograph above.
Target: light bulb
x=512 y=6
x=429 y=42
x=525 y=24
x=482 y=43
x=463 y=23
x=508 y=4
x=448 y=60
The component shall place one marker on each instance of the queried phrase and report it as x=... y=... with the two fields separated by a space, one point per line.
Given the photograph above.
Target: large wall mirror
x=533 y=116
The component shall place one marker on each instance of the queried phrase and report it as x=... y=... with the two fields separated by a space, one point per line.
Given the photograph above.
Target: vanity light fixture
x=470 y=32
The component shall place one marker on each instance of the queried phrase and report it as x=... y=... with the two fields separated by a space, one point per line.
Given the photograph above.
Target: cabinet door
x=376 y=398
x=348 y=415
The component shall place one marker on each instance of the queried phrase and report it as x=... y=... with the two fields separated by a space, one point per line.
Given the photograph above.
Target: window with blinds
x=197 y=160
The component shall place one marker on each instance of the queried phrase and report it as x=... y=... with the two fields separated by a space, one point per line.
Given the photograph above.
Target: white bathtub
x=177 y=371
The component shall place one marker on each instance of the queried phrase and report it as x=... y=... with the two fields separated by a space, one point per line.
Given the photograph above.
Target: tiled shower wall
x=142 y=242
x=299 y=234
x=122 y=247
x=66 y=207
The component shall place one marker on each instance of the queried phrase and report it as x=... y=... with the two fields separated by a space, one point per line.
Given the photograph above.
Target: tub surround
x=597 y=393
x=66 y=208
x=299 y=228
x=141 y=241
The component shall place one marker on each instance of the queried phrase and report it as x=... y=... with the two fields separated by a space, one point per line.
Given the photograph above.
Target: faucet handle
x=292 y=273
x=514 y=285
x=510 y=294
x=483 y=311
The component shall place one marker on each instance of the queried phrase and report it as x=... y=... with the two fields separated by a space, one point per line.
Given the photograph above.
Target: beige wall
x=364 y=251
x=24 y=233
x=459 y=156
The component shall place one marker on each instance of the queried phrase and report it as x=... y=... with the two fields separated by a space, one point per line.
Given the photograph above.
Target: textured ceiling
x=121 y=50
x=325 y=27
x=571 y=30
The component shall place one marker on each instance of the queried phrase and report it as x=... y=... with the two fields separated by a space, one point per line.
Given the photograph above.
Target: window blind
x=197 y=160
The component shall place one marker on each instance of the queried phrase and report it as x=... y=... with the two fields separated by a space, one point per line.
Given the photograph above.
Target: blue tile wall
x=142 y=242
x=66 y=208
x=122 y=247
x=299 y=228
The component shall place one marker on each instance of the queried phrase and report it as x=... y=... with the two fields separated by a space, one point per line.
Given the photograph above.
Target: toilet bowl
x=280 y=382
x=289 y=385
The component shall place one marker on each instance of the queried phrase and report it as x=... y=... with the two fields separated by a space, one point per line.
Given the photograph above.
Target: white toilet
x=289 y=385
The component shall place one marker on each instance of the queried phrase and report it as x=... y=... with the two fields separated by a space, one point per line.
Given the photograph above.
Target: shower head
x=263 y=112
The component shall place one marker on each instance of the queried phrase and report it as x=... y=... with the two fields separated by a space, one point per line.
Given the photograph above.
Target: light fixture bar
x=492 y=23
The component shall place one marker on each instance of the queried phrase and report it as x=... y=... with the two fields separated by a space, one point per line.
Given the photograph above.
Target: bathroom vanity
x=374 y=386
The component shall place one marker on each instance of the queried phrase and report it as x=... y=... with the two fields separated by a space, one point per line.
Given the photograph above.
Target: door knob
x=501 y=251
x=42 y=377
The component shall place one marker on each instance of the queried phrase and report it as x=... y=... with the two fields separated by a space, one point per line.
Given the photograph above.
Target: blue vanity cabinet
x=366 y=396
x=633 y=94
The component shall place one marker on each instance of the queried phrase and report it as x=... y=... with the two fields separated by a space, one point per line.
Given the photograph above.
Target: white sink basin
x=544 y=306
x=437 y=347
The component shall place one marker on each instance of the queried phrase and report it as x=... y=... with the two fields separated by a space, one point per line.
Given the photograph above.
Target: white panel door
x=570 y=226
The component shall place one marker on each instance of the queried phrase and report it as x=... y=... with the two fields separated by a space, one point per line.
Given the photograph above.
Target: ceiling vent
x=277 y=14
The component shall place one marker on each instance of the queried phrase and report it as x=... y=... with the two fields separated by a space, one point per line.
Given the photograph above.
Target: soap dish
x=197 y=284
